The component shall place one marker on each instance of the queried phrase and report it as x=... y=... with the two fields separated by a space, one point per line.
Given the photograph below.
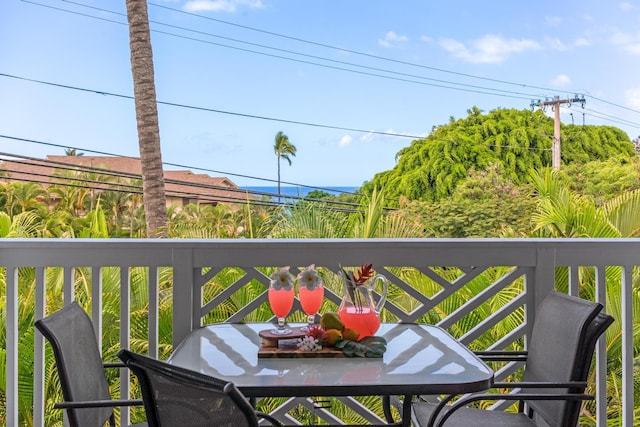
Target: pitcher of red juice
x=358 y=310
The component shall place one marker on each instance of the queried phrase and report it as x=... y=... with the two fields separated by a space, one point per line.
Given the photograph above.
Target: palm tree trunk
x=147 y=118
x=278 y=179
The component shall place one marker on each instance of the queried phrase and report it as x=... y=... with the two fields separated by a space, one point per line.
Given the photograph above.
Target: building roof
x=178 y=183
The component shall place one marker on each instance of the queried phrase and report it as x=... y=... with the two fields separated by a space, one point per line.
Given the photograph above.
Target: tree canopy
x=518 y=141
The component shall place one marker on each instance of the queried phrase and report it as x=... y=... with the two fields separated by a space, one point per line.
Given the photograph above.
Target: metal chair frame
x=536 y=391
x=85 y=390
x=210 y=394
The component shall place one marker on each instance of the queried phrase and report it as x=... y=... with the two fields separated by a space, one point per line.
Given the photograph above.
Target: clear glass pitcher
x=358 y=310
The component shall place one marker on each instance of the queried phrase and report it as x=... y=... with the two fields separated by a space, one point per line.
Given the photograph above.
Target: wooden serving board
x=284 y=346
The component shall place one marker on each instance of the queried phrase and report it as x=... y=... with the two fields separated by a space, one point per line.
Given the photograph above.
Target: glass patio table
x=419 y=360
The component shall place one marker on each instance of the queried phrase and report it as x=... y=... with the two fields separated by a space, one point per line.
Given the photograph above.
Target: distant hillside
x=518 y=140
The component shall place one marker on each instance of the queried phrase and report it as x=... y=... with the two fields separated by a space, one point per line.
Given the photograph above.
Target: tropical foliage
x=485 y=204
x=430 y=169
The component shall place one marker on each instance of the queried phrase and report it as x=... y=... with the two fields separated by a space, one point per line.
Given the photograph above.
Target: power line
x=288 y=51
x=614 y=104
x=212 y=110
x=172 y=104
x=342 y=49
x=135 y=190
x=297 y=53
x=613 y=118
x=505 y=92
x=96 y=184
x=63 y=165
x=104 y=153
x=464 y=87
x=605 y=117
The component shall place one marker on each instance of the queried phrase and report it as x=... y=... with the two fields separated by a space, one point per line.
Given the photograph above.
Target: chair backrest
x=80 y=368
x=561 y=349
x=174 y=396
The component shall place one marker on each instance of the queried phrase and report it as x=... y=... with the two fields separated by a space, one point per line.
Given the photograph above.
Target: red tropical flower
x=364 y=273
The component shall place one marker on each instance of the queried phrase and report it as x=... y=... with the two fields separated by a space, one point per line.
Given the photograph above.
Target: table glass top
x=423 y=358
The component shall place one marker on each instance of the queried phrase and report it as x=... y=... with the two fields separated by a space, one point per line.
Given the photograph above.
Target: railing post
x=601 y=352
x=627 y=346
x=12 y=346
x=125 y=338
x=542 y=282
x=38 y=356
x=544 y=274
x=183 y=283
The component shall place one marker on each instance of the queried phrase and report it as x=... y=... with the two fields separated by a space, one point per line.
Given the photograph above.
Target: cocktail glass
x=310 y=300
x=310 y=292
x=281 y=302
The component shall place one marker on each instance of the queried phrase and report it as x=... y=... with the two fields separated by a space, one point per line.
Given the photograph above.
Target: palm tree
x=147 y=118
x=283 y=149
x=72 y=152
x=25 y=197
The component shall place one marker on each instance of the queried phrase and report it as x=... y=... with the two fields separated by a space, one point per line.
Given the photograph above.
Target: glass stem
x=280 y=322
x=311 y=319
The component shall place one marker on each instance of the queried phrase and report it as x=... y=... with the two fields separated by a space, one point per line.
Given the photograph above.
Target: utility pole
x=555 y=104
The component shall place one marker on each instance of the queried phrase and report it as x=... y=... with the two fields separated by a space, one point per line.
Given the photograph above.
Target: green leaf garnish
x=367 y=347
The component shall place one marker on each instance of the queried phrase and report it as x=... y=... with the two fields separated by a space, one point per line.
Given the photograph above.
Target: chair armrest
x=113 y=365
x=502 y=355
x=497 y=396
x=97 y=404
x=513 y=396
x=540 y=384
x=273 y=421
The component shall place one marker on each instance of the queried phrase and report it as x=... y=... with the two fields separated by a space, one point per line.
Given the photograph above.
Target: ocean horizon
x=298 y=191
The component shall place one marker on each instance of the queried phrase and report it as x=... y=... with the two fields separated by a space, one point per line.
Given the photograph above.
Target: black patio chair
x=175 y=396
x=82 y=373
x=557 y=365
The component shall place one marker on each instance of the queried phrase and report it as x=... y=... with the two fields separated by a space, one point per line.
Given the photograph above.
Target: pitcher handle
x=383 y=296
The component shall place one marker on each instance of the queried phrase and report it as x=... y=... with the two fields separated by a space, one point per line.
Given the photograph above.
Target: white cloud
x=391 y=38
x=426 y=39
x=555 y=44
x=627 y=42
x=372 y=137
x=633 y=97
x=345 y=140
x=488 y=49
x=220 y=5
x=625 y=6
x=582 y=41
x=367 y=137
x=561 y=80
x=553 y=21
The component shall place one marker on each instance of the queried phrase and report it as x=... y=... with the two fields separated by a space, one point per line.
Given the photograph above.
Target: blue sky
x=346 y=69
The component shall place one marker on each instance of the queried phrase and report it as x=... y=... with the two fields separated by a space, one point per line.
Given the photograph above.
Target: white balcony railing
x=426 y=275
